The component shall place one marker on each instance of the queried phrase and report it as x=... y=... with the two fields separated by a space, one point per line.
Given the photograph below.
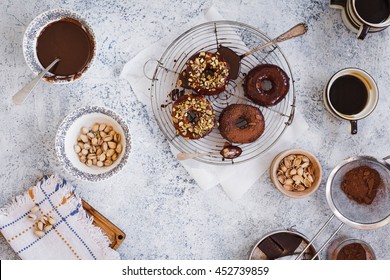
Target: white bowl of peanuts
x=93 y=143
x=296 y=173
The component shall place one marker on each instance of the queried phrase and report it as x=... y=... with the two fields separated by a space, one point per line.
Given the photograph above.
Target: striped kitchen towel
x=72 y=235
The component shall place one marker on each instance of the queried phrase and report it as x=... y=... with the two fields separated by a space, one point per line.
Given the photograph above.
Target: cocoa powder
x=354 y=251
x=361 y=184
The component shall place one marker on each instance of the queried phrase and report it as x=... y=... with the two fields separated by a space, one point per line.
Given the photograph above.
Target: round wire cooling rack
x=240 y=38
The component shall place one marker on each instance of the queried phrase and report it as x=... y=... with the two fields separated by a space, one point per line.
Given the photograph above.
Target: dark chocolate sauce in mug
x=68 y=40
x=348 y=95
x=373 y=11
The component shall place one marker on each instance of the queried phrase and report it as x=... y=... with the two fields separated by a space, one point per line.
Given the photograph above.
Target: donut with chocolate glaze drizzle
x=256 y=89
x=193 y=116
x=206 y=73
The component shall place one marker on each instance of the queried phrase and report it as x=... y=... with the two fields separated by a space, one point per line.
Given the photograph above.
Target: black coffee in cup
x=351 y=94
x=364 y=16
x=373 y=11
x=348 y=95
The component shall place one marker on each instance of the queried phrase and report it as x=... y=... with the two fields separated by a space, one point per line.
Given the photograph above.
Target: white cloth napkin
x=72 y=237
x=234 y=179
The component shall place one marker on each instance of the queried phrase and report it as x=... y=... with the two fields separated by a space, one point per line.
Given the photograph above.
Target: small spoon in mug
x=22 y=94
x=234 y=59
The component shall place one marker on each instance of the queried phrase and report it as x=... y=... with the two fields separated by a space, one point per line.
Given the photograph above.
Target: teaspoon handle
x=184 y=156
x=22 y=94
x=297 y=30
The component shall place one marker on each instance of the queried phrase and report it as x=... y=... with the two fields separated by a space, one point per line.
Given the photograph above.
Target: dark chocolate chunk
x=289 y=242
x=271 y=249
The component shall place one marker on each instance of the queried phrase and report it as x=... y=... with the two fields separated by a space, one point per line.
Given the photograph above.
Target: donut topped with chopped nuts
x=206 y=73
x=193 y=116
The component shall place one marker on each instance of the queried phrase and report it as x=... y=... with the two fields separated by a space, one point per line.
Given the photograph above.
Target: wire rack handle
x=318 y=234
x=387 y=157
x=292 y=115
x=145 y=68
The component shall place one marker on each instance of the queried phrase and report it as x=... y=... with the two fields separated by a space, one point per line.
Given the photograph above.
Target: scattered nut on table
x=32 y=217
x=35 y=209
x=99 y=145
x=40 y=225
x=51 y=221
x=39 y=233
x=296 y=173
x=43 y=220
x=48 y=227
x=44 y=224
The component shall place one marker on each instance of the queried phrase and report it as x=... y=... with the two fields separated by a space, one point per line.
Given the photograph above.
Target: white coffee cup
x=355 y=22
x=372 y=96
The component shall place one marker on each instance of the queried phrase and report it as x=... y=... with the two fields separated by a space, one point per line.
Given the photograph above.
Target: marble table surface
x=154 y=200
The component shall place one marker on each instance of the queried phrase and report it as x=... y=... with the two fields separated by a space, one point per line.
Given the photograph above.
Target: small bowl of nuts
x=296 y=173
x=93 y=143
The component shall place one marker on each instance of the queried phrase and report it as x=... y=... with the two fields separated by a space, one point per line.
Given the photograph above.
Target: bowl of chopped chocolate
x=283 y=245
x=351 y=249
x=296 y=173
x=63 y=34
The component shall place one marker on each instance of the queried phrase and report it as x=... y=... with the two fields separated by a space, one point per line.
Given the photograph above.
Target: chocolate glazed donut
x=206 y=73
x=193 y=116
x=240 y=123
x=255 y=87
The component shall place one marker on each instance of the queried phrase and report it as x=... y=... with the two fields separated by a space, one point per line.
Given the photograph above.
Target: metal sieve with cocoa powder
x=358 y=193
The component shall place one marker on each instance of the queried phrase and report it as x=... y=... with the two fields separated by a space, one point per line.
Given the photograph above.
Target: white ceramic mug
x=355 y=22
x=372 y=96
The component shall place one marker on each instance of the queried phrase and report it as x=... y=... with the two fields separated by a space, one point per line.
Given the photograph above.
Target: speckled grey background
x=163 y=212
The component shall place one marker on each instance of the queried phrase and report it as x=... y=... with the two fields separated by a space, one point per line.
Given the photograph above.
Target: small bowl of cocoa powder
x=351 y=249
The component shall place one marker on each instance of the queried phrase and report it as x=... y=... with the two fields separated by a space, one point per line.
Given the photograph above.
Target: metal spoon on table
x=22 y=94
x=234 y=59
